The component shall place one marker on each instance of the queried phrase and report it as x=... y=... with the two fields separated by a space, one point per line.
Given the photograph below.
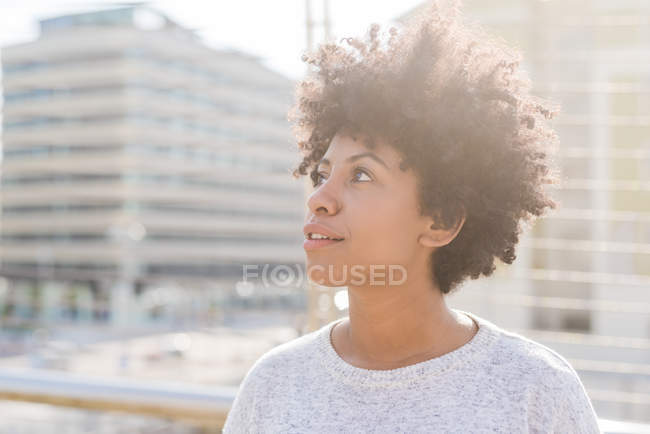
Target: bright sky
x=273 y=30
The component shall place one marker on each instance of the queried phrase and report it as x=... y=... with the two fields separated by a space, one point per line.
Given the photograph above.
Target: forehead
x=343 y=145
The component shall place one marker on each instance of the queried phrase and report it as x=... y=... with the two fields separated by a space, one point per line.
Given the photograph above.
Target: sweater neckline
x=469 y=353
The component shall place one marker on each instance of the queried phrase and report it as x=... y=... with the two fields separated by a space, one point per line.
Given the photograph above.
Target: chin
x=328 y=273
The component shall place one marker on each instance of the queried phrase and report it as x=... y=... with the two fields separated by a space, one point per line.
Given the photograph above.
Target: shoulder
x=285 y=357
x=523 y=355
x=269 y=372
x=554 y=393
x=538 y=361
x=525 y=364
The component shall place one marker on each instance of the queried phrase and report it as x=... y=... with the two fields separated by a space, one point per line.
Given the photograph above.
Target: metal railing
x=200 y=406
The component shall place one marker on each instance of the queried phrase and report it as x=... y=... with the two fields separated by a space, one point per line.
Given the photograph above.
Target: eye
x=360 y=171
x=318 y=179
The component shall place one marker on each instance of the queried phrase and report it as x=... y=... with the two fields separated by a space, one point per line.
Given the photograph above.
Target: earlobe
x=426 y=240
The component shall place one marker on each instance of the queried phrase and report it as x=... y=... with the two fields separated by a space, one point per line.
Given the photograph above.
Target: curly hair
x=453 y=101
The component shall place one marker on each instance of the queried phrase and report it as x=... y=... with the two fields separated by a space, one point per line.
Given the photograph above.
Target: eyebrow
x=356 y=157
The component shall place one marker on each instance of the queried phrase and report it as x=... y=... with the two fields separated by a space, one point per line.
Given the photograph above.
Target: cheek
x=385 y=231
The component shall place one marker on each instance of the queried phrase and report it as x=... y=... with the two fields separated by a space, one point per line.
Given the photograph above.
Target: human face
x=365 y=199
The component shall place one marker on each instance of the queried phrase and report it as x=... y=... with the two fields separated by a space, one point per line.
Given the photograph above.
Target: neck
x=393 y=326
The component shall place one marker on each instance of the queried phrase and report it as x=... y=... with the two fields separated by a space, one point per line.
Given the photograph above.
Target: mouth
x=315 y=240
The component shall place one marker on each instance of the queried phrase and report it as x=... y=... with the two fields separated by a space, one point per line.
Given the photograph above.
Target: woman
x=426 y=153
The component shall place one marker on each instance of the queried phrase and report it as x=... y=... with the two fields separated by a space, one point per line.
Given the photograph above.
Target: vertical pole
x=310 y=25
x=326 y=21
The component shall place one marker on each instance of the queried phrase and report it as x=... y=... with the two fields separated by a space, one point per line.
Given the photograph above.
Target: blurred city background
x=145 y=161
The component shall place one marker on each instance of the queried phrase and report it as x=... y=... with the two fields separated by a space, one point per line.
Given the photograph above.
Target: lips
x=316 y=228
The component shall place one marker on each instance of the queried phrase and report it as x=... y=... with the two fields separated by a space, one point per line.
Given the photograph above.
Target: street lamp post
x=127 y=233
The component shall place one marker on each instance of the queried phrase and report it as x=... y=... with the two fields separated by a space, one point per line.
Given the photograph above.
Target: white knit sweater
x=499 y=381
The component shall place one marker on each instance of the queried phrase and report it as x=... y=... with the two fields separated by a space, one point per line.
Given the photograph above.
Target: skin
x=375 y=208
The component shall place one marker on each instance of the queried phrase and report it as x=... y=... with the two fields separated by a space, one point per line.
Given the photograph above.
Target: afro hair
x=454 y=102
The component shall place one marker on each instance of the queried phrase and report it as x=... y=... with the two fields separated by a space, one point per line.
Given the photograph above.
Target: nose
x=323 y=200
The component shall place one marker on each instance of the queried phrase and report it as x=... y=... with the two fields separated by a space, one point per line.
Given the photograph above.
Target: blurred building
x=581 y=281
x=135 y=155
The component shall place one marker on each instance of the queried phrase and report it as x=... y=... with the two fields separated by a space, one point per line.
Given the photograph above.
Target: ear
x=436 y=236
